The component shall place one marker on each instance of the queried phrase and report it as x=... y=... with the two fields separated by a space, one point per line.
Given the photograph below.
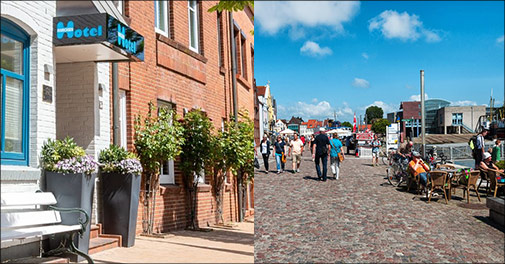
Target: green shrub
x=501 y=164
x=54 y=151
x=111 y=159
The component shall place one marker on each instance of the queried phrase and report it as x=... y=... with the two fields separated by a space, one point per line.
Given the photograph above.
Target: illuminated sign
x=98 y=28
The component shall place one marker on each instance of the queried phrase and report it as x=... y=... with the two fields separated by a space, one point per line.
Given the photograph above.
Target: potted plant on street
x=70 y=175
x=120 y=176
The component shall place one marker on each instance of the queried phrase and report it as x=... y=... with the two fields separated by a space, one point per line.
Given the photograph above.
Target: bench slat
x=30 y=218
x=17 y=199
x=37 y=231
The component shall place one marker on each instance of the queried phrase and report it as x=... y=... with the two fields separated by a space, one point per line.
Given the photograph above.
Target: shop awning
x=95 y=37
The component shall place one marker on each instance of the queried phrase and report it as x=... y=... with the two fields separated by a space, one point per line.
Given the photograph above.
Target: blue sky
x=322 y=57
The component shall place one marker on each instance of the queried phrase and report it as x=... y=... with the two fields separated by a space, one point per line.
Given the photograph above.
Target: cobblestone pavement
x=361 y=218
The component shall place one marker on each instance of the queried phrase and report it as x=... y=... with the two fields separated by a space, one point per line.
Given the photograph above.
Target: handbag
x=256 y=163
x=283 y=158
x=340 y=156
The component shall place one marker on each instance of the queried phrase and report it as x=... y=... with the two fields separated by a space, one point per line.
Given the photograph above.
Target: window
x=236 y=33
x=161 y=17
x=14 y=94
x=252 y=61
x=243 y=54
x=119 y=5
x=167 y=174
x=457 y=118
x=122 y=119
x=200 y=177
x=220 y=41
x=193 y=25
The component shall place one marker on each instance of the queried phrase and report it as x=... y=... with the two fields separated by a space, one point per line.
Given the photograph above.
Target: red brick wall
x=173 y=73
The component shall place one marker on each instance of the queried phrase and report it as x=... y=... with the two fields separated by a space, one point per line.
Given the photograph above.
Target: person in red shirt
x=303 y=139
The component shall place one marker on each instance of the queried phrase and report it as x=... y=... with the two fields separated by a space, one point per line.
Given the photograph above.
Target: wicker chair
x=484 y=176
x=460 y=183
x=444 y=166
x=494 y=182
x=438 y=180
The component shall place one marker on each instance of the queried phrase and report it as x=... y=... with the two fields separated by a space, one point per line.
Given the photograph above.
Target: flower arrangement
x=117 y=159
x=65 y=156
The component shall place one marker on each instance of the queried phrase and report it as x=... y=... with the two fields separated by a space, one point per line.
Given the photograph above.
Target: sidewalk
x=218 y=246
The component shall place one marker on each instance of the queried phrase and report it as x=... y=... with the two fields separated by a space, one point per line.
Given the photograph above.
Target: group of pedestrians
x=322 y=147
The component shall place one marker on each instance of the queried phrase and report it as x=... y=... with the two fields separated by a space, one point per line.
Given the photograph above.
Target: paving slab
x=360 y=218
x=222 y=245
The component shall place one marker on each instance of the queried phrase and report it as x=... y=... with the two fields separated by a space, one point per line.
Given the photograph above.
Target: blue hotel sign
x=97 y=28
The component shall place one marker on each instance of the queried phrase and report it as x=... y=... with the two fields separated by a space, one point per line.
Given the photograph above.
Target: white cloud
x=314 y=100
x=311 y=48
x=360 y=83
x=272 y=16
x=417 y=97
x=364 y=55
x=464 y=103
x=344 y=112
x=305 y=110
x=387 y=108
x=500 y=39
x=409 y=86
x=403 y=26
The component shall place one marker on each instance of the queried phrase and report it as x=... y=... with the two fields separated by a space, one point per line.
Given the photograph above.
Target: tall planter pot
x=72 y=190
x=120 y=201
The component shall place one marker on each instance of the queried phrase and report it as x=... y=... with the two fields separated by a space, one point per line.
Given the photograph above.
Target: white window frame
x=120 y=6
x=168 y=176
x=156 y=18
x=122 y=119
x=195 y=23
x=200 y=177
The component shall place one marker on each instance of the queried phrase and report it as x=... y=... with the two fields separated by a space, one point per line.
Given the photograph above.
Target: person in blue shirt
x=376 y=144
x=279 y=151
x=336 y=147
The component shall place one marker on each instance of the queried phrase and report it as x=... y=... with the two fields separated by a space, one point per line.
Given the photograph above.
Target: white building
x=263 y=111
x=55 y=83
x=279 y=126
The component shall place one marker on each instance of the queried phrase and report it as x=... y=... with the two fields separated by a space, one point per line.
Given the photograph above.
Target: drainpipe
x=115 y=105
x=235 y=111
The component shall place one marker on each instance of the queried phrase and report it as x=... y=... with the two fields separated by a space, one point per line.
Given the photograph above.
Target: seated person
x=405 y=150
x=418 y=168
x=487 y=163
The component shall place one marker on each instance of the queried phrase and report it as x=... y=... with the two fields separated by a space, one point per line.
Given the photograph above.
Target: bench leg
x=76 y=251
x=72 y=249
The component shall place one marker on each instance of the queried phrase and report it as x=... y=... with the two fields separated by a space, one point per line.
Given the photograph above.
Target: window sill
x=181 y=47
x=243 y=81
x=227 y=187
x=222 y=70
x=170 y=189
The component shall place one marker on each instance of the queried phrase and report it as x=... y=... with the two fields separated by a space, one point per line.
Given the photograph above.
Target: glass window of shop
x=14 y=94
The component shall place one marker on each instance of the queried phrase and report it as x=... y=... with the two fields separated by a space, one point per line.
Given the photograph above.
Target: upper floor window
x=243 y=54
x=119 y=5
x=193 y=25
x=161 y=13
x=220 y=48
x=457 y=118
x=14 y=97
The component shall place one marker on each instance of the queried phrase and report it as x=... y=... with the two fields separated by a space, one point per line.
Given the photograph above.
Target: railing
x=467 y=128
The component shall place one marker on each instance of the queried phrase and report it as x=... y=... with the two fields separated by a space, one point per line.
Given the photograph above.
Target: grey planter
x=72 y=190
x=120 y=201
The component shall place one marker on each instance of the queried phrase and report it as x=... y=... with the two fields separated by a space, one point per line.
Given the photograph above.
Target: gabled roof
x=261 y=90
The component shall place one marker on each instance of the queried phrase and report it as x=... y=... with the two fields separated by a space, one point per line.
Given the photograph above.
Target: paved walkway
x=361 y=218
x=218 y=246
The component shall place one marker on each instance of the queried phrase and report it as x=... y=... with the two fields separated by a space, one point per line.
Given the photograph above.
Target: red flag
x=354 y=124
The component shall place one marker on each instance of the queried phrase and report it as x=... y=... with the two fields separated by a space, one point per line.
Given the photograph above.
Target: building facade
x=459 y=119
x=188 y=65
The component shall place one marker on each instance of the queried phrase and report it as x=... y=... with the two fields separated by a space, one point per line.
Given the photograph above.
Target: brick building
x=187 y=65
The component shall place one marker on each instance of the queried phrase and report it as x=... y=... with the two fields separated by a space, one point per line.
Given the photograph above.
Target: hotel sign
x=98 y=28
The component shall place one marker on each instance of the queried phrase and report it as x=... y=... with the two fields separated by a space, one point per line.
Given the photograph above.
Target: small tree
x=217 y=166
x=379 y=126
x=196 y=153
x=232 y=6
x=157 y=139
x=346 y=124
x=372 y=113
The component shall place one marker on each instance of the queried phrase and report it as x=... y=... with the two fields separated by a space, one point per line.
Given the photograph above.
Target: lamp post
x=422 y=114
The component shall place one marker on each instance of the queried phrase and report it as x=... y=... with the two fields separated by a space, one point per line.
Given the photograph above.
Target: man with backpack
x=477 y=145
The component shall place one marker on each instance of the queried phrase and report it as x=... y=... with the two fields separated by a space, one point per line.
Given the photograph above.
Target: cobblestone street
x=361 y=218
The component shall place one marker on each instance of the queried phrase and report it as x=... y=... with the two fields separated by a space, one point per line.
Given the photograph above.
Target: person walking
x=496 y=154
x=296 y=146
x=265 y=151
x=311 y=142
x=285 y=142
x=479 y=148
x=336 y=149
x=320 y=152
x=375 y=150
x=279 y=151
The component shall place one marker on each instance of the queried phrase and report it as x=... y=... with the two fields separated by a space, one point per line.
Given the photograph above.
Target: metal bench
x=33 y=215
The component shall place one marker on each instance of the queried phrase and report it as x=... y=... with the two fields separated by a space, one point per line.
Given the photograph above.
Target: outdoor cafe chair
x=494 y=182
x=438 y=180
x=484 y=176
x=444 y=166
x=460 y=181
